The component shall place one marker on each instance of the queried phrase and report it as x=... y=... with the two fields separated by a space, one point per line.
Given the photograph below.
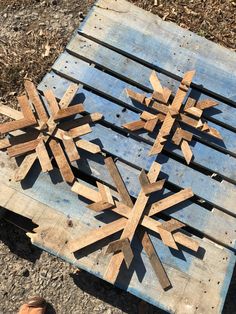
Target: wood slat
x=43 y=157
x=61 y=161
x=125 y=32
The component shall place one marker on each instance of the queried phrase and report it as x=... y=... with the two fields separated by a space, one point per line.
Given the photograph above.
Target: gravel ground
x=33 y=33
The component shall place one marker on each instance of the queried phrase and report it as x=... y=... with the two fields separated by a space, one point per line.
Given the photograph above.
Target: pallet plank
x=135 y=30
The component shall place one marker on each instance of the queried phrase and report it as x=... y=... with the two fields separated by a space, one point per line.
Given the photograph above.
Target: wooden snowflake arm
x=52 y=102
x=71 y=149
x=96 y=235
x=135 y=96
x=148 y=187
x=155 y=260
x=25 y=167
x=70 y=111
x=187 y=152
x=119 y=183
x=86 y=192
x=93 y=117
x=61 y=161
x=22 y=148
x=122 y=245
x=106 y=201
x=166 y=229
x=207 y=103
x=182 y=90
x=192 y=109
x=11 y=113
x=68 y=96
x=101 y=200
x=43 y=156
x=27 y=120
x=135 y=125
x=211 y=131
x=180 y=135
x=36 y=101
x=88 y=146
x=170 y=201
x=164 y=131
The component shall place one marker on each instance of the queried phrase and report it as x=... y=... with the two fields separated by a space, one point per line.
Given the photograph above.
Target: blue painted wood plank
x=139 y=74
x=204 y=156
x=114 y=88
x=164 y=45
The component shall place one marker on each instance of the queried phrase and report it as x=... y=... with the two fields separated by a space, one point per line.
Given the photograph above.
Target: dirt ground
x=33 y=33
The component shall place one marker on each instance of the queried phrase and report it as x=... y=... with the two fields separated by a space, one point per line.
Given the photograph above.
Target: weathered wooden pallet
x=117 y=47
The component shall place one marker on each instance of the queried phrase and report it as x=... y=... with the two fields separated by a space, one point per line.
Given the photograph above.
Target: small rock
x=15 y=28
x=54 y=2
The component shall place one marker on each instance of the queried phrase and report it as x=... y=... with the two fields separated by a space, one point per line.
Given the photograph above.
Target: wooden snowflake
x=136 y=219
x=40 y=133
x=172 y=116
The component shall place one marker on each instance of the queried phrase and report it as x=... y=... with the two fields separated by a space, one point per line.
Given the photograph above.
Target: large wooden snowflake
x=136 y=219
x=40 y=133
x=172 y=116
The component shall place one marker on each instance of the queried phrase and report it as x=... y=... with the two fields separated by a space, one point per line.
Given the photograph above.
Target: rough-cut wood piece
x=171 y=225
x=11 y=113
x=70 y=111
x=93 y=117
x=190 y=121
x=88 y=146
x=52 y=102
x=130 y=228
x=124 y=246
x=170 y=201
x=167 y=238
x=35 y=99
x=20 y=149
x=207 y=103
x=136 y=96
x=194 y=111
x=135 y=125
x=43 y=157
x=145 y=115
x=62 y=162
x=181 y=134
x=96 y=235
x=71 y=149
x=214 y=132
x=25 y=167
x=68 y=96
x=156 y=84
x=105 y=193
x=86 y=192
x=164 y=131
x=80 y=130
x=163 y=98
x=148 y=187
x=100 y=206
x=188 y=155
x=155 y=261
x=119 y=183
x=151 y=124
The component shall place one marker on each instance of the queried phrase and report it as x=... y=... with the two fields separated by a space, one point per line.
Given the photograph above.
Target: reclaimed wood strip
x=43 y=157
x=119 y=183
x=88 y=146
x=36 y=101
x=10 y=112
x=68 y=96
x=137 y=29
x=22 y=171
x=61 y=161
x=22 y=148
